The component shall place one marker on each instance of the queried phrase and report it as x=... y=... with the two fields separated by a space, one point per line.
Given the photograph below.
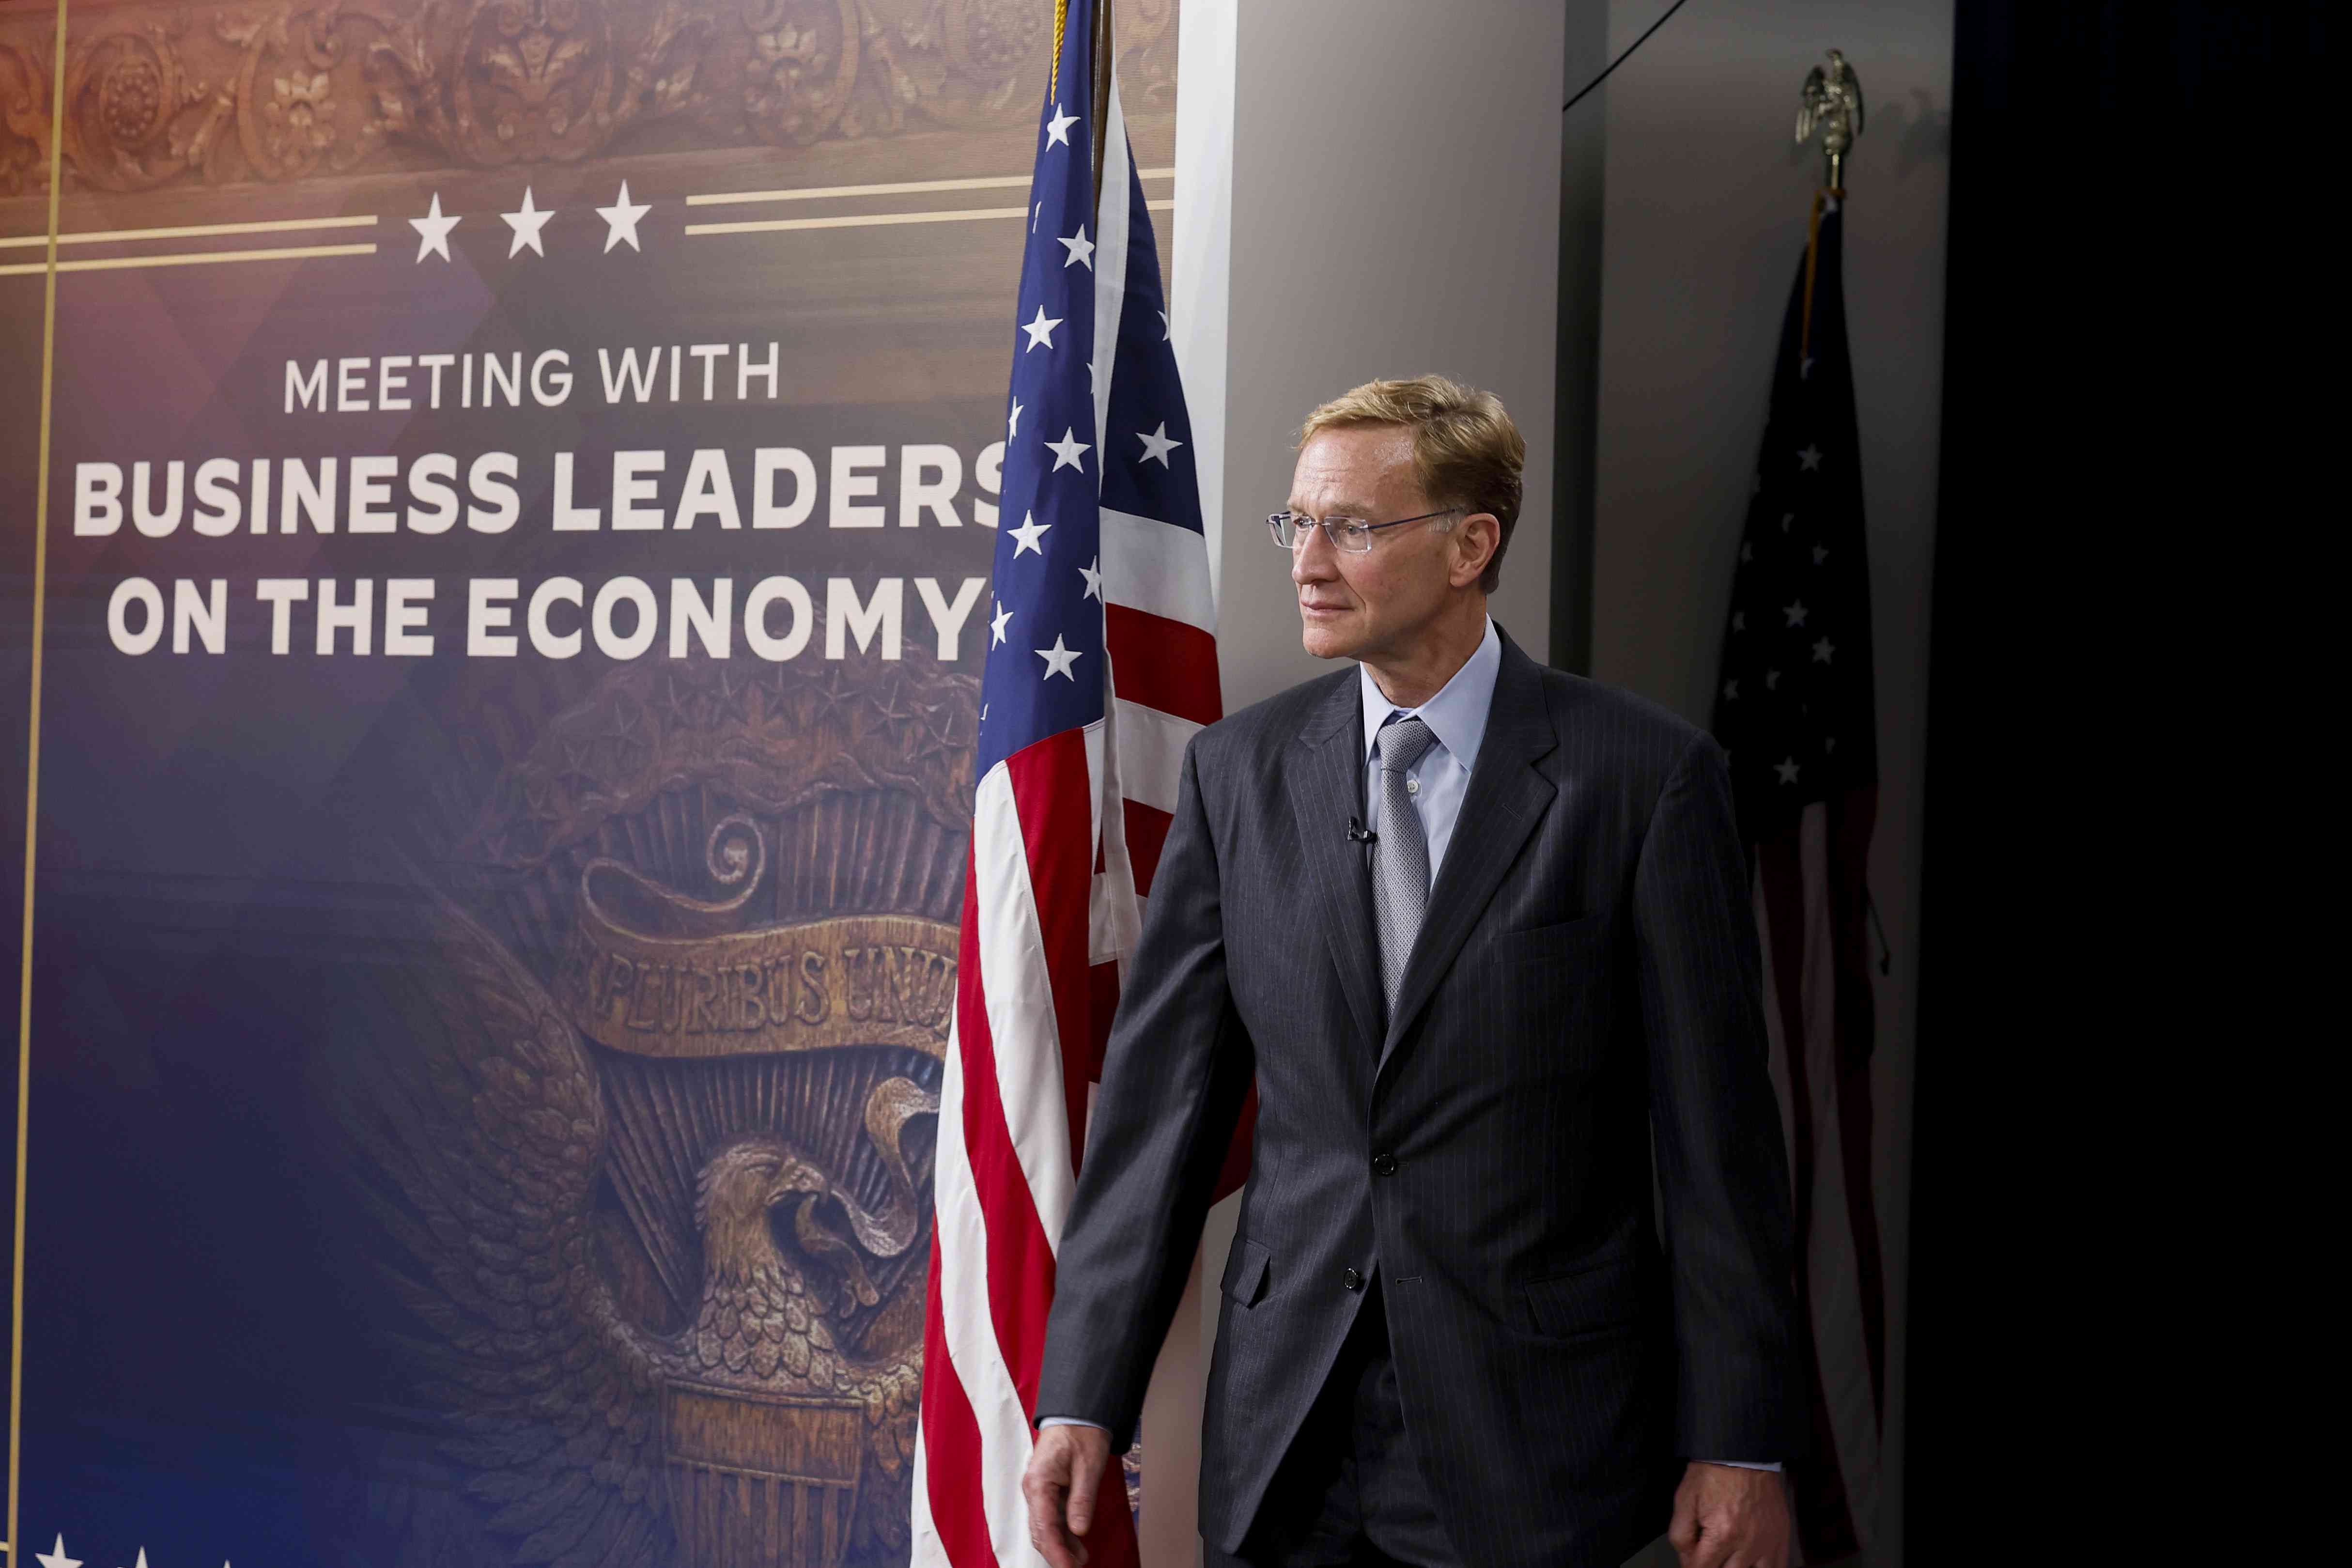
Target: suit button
x=1352 y=1281
x=1385 y=1166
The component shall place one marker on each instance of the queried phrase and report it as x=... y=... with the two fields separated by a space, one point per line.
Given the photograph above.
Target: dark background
x=2128 y=452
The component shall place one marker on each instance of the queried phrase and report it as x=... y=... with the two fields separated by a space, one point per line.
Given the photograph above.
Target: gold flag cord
x=1060 y=21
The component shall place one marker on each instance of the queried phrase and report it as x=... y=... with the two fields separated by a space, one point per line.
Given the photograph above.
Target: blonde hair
x=1467 y=452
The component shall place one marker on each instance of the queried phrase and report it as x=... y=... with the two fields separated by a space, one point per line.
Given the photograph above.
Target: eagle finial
x=1831 y=102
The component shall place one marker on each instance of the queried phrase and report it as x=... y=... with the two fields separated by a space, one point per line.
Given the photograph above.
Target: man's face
x=1378 y=604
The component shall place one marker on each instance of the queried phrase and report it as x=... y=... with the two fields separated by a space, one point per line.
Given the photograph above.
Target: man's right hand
x=1064 y=1478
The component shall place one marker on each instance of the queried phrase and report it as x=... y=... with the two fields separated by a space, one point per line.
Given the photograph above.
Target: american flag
x=1796 y=712
x=1102 y=664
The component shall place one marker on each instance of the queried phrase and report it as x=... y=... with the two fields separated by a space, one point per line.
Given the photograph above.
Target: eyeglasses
x=1352 y=534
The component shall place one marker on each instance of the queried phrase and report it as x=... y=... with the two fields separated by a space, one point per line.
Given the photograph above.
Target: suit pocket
x=1598 y=1302
x=1246 y=1271
x=1565 y=945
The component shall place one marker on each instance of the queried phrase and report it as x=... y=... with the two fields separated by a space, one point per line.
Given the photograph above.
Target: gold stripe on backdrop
x=33 y=770
x=194 y=231
x=871 y=220
x=904 y=187
x=187 y=259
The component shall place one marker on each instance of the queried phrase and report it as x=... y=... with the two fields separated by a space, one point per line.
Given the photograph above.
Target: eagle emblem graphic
x=642 y=1110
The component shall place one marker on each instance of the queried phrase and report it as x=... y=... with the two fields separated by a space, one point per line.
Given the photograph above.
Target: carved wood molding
x=210 y=94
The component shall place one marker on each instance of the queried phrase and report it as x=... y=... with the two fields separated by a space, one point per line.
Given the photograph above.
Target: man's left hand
x=1726 y=1517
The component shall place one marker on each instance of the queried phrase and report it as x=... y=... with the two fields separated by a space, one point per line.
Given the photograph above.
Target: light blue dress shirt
x=1456 y=716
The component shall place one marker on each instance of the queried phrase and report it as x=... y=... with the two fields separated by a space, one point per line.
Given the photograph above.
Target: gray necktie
x=1400 y=853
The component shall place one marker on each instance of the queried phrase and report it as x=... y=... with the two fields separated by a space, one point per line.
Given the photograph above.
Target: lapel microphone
x=1358 y=833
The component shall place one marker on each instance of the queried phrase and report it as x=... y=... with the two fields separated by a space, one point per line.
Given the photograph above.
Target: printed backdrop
x=521 y=491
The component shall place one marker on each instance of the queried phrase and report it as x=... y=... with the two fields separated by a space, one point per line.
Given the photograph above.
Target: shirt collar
x=1456 y=715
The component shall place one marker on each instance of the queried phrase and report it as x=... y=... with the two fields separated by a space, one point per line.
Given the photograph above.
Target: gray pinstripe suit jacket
x=1584 y=997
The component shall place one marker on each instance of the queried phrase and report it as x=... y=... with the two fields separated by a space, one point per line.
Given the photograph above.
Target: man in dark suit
x=1479 y=933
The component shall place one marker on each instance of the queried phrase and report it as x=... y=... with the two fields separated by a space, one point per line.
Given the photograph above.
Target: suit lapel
x=1506 y=798
x=1325 y=780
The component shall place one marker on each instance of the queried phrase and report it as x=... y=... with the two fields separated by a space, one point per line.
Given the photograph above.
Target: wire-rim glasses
x=1352 y=535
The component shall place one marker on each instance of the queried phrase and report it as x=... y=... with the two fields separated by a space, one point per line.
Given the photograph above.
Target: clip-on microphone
x=1358 y=833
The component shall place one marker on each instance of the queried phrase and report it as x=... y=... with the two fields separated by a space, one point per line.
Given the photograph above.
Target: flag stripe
x=1823 y=1506
x=1160 y=568
x=949 y=1524
x=1151 y=752
x=1110 y=259
x=1851 y=818
x=1016 y=1247
x=1103 y=982
x=1019 y=999
x=1828 y=1262
x=970 y=1328
x=1147 y=835
x=1834 y=1264
x=1163 y=664
x=1052 y=931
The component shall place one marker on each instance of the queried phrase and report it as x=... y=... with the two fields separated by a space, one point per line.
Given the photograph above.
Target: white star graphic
x=526 y=225
x=1787 y=770
x=1821 y=553
x=1821 y=651
x=1093 y=574
x=1080 y=247
x=1041 y=331
x=620 y=220
x=1731 y=691
x=1003 y=618
x=1157 y=446
x=1058 y=129
x=434 y=231
x=1796 y=613
x=1059 y=661
x=1030 y=532
x=1164 y=328
x=1012 y=426
x=1738 y=620
x=1067 y=451
x=1771 y=680
x=1810 y=459
x=142 y=1557
x=55 y=1557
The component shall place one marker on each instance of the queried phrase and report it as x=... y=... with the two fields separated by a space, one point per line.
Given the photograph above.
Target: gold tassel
x=1060 y=21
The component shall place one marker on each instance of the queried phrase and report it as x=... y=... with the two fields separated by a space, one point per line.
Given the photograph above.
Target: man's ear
x=1477 y=538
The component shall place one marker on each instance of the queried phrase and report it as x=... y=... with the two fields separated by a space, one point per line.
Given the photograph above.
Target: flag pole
x=1812 y=255
x=1100 y=119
